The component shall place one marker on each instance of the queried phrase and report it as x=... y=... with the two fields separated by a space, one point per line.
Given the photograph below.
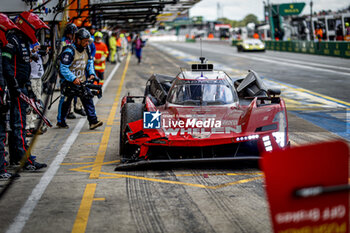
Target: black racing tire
x=130 y=112
x=239 y=49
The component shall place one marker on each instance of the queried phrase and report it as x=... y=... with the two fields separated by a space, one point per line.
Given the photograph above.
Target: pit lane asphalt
x=87 y=195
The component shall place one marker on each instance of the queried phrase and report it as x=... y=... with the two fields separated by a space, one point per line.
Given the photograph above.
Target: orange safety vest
x=319 y=33
x=119 y=42
x=101 y=51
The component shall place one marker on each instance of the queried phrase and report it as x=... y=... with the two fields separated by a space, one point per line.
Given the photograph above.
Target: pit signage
x=291 y=8
x=319 y=165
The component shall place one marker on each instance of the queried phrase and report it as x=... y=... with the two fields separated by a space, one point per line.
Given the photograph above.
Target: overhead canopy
x=136 y=14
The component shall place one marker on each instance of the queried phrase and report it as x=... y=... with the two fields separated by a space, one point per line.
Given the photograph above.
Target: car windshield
x=202 y=94
x=250 y=41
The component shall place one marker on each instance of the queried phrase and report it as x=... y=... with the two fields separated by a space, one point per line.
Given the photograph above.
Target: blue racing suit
x=70 y=69
x=93 y=49
x=64 y=42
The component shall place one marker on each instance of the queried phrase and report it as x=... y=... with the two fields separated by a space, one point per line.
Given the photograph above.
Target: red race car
x=202 y=114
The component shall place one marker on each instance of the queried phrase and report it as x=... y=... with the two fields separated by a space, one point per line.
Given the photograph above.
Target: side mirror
x=273 y=92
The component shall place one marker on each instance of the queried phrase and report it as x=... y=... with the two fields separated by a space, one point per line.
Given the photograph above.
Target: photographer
x=75 y=61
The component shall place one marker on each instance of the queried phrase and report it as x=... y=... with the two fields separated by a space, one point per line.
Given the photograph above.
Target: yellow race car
x=251 y=45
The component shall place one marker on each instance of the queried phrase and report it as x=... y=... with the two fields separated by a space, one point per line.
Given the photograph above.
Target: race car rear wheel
x=130 y=112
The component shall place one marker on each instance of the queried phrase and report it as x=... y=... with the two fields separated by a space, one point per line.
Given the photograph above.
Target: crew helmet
x=98 y=34
x=5 y=25
x=70 y=29
x=29 y=23
x=82 y=34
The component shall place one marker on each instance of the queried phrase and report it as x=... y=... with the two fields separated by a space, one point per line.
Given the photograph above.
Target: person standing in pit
x=16 y=66
x=113 y=47
x=37 y=66
x=138 y=47
x=6 y=25
x=100 y=57
x=76 y=61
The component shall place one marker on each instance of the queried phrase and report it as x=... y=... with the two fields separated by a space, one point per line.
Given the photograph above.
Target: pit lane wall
x=326 y=48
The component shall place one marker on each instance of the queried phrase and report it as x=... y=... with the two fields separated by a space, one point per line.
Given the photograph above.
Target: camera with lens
x=43 y=50
x=86 y=90
x=96 y=90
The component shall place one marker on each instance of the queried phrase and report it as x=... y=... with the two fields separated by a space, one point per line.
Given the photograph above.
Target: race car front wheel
x=130 y=112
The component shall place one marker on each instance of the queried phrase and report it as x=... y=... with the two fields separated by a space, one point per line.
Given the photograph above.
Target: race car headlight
x=280 y=135
x=262 y=46
x=280 y=138
x=246 y=46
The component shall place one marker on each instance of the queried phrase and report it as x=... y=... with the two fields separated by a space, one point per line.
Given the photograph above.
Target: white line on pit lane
x=25 y=212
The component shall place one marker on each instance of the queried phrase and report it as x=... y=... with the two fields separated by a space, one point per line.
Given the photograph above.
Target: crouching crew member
x=75 y=61
x=17 y=69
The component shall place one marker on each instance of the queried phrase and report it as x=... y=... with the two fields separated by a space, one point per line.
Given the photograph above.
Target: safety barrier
x=234 y=42
x=327 y=48
x=190 y=40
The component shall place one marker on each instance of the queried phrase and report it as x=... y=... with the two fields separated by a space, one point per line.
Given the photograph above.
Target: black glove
x=15 y=92
x=31 y=95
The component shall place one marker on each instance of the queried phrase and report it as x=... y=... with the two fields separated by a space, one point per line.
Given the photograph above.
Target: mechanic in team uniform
x=17 y=70
x=75 y=61
x=5 y=25
x=67 y=39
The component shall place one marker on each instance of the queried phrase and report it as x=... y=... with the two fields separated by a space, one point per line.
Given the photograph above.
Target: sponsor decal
x=152 y=120
x=66 y=58
x=203 y=132
x=5 y=54
x=202 y=127
x=11 y=46
x=191 y=122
